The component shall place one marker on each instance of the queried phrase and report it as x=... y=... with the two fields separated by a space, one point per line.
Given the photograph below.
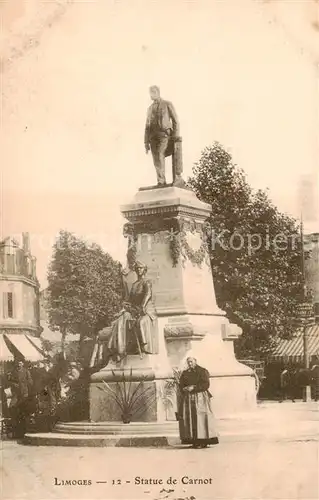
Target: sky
x=75 y=93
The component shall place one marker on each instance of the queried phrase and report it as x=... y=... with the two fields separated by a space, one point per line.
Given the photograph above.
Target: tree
x=84 y=291
x=254 y=249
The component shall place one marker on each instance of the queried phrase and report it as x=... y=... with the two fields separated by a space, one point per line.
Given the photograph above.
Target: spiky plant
x=132 y=401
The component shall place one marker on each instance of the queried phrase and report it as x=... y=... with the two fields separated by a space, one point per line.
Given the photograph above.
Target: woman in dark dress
x=196 y=419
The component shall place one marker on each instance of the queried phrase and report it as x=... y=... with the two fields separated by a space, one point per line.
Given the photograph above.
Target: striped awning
x=20 y=343
x=293 y=349
x=5 y=354
x=36 y=342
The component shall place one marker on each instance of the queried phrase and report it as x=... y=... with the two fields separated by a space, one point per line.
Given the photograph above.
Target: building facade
x=292 y=350
x=312 y=269
x=19 y=288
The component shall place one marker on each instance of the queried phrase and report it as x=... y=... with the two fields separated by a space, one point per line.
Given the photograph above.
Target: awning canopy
x=24 y=346
x=5 y=354
x=293 y=349
x=36 y=342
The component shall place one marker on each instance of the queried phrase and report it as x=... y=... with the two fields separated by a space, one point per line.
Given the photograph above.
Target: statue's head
x=140 y=268
x=155 y=92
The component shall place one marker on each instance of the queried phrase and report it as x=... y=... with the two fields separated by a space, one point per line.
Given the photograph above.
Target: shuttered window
x=5 y=304
x=10 y=264
x=8 y=305
x=1 y=263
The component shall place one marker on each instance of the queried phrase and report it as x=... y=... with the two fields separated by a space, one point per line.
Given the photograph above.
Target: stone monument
x=168 y=232
x=169 y=311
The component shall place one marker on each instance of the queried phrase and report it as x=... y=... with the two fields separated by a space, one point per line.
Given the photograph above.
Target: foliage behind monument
x=257 y=287
x=84 y=291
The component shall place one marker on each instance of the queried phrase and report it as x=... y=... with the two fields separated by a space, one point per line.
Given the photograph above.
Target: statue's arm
x=125 y=290
x=147 y=293
x=174 y=118
x=147 y=128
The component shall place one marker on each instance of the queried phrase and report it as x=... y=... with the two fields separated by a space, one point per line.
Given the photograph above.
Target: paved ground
x=274 y=421
x=281 y=463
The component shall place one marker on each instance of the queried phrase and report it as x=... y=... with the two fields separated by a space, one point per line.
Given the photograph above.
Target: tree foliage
x=84 y=291
x=255 y=252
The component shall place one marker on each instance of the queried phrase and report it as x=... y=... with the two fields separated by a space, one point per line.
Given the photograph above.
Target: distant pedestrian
x=196 y=419
x=292 y=381
x=283 y=385
x=287 y=384
x=303 y=378
x=22 y=386
x=314 y=377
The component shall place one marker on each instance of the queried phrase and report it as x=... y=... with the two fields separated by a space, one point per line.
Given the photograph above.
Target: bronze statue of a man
x=162 y=137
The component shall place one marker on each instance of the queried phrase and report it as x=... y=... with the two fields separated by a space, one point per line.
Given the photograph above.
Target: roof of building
x=9 y=241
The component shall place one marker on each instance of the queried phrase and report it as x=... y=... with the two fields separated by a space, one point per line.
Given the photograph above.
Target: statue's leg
x=117 y=341
x=145 y=324
x=158 y=148
x=177 y=163
x=178 y=158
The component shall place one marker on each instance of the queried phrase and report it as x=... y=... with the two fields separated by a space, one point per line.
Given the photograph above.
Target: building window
x=29 y=267
x=8 y=305
x=2 y=263
x=19 y=262
x=10 y=264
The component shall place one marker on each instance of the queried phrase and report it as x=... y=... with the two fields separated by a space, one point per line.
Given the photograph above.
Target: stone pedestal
x=146 y=376
x=168 y=232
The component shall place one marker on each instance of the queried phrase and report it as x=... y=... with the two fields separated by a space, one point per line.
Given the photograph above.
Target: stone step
x=117 y=428
x=145 y=440
x=98 y=440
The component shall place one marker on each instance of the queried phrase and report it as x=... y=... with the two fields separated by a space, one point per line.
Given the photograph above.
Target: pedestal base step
x=55 y=439
x=136 y=434
x=117 y=428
